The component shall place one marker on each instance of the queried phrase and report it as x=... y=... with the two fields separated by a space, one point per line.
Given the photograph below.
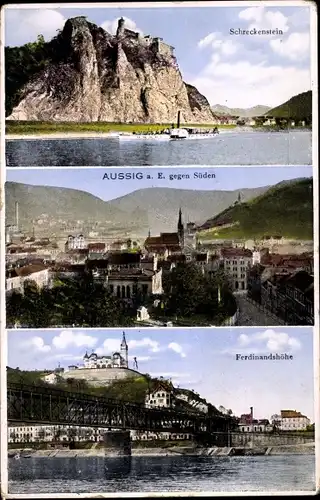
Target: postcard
x=159 y=250
x=159 y=84
x=158 y=410
x=159 y=246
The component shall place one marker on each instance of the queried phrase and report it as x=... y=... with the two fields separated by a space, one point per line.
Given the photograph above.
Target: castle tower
x=180 y=229
x=120 y=29
x=124 y=349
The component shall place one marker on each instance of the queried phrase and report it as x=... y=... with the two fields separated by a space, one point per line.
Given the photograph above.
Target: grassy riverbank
x=40 y=128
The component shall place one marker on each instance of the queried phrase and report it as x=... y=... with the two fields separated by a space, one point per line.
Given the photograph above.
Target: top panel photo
x=162 y=84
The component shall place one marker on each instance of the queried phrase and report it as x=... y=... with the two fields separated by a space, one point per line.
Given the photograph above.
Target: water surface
x=231 y=148
x=162 y=474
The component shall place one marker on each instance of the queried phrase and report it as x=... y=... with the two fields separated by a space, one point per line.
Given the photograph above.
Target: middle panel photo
x=176 y=247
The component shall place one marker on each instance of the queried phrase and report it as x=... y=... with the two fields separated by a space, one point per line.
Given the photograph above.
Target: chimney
x=17 y=214
x=251 y=413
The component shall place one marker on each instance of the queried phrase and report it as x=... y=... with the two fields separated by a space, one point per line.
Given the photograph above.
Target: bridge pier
x=117 y=443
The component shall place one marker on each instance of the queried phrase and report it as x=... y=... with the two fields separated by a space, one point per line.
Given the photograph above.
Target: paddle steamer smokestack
x=178 y=120
x=17 y=214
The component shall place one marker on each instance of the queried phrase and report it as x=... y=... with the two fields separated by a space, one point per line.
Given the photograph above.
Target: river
x=161 y=474
x=230 y=148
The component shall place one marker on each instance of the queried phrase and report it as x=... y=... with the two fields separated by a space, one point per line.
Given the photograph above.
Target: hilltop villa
x=117 y=359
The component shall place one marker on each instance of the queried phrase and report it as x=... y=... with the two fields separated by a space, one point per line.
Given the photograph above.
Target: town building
x=99 y=248
x=262 y=425
x=17 y=277
x=194 y=401
x=62 y=434
x=167 y=243
x=292 y=420
x=162 y=396
x=75 y=242
x=236 y=264
x=290 y=297
x=56 y=434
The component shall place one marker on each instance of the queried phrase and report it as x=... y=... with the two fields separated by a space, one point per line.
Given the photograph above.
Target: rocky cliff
x=89 y=75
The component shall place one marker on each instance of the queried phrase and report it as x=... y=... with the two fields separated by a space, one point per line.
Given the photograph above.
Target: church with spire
x=118 y=359
x=167 y=243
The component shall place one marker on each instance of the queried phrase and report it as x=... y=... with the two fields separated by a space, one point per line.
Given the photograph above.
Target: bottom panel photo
x=160 y=410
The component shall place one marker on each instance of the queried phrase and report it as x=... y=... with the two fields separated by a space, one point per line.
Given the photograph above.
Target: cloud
x=28 y=25
x=263 y=19
x=257 y=77
x=64 y=357
x=108 y=346
x=295 y=47
x=273 y=341
x=219 y=43
x=146 y=342
x=300 y=19
x=69 y=338
x=37 y=344
x=245 y=84
x=111 y=26
x=177 y=348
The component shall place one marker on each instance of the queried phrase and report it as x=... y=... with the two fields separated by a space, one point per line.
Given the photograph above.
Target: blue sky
x=199 y=359
x=90 y=179
x=233 y=70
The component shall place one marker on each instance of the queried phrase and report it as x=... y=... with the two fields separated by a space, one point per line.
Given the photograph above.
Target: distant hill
x=241 y=112
x=298 y=107
x=162 y=204
x=62 y=203
x=285 y=209
x=154 y=208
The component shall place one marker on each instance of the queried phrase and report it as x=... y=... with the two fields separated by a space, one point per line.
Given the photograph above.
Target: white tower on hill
x=124 y=349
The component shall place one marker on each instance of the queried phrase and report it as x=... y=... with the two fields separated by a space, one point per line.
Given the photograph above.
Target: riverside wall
x=251 y=440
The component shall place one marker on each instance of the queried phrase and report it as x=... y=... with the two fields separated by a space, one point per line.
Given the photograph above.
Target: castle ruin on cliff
x=155 y=43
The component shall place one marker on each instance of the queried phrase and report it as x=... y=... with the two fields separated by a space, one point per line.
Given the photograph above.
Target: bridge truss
x=40 y=405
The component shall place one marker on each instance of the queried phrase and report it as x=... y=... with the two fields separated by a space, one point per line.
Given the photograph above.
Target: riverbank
x=301 y=449
x=61 y=135
x=70 y=130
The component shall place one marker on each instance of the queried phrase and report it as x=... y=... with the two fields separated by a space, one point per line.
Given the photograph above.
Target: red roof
x=236 y=252
x=32 y=268
x=96 y=246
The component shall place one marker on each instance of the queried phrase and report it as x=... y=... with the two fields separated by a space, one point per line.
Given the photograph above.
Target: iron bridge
x=40 y=405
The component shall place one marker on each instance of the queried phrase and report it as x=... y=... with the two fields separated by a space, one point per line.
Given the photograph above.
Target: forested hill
x=298 y=107
x=285 y=210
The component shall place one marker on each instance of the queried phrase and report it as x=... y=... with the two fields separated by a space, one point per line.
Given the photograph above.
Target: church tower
x=180 y=229
x=124 y=350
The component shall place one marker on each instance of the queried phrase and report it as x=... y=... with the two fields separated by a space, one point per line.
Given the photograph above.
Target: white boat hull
x=192 y=137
